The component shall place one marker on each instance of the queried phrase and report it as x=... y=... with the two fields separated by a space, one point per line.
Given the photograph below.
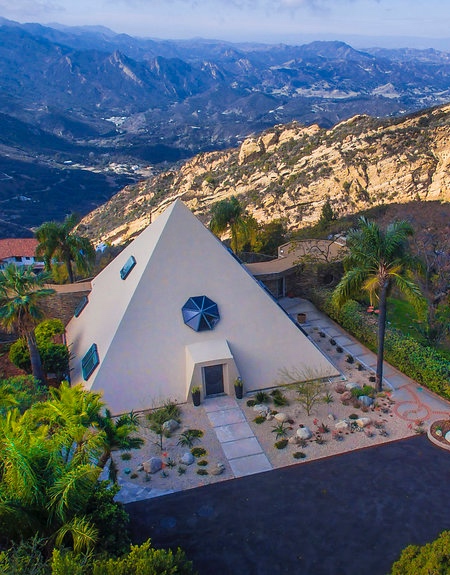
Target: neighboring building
x=20 y=252
x=278 y=275
x=175 y=310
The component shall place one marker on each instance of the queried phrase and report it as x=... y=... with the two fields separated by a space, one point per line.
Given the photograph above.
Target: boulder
x=170 y=426
x=363 y=421
x=365 y=400
x=341 y=425
x=187 y=458
x=153 y=465
x=346 y=396
x=218 y=469
x=281 y=417
x=349 y=386
x=261 y=409
x=304 y=433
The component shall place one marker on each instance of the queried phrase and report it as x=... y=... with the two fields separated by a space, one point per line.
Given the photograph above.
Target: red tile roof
x=17 y=247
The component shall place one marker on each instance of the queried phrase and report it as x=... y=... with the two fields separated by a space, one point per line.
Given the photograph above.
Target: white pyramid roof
x=146 y=352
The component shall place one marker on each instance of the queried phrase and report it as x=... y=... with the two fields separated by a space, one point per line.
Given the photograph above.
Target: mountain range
x=85 y=111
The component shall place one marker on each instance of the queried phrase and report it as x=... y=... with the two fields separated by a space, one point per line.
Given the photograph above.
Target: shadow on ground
x=346 y=514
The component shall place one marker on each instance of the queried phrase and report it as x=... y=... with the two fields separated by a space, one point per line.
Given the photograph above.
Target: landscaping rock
x=363 y=421
x=269 y=417
x=304 y=433
x=366 y=400
x=170 y=426
x=346 y=396
x=261 y=409
x=218 y=470
x=331 y=417
x=153 y=465
x=341 y=425
x=349 y=386
x=281 y=417
x=187 y=458
x=294 y=440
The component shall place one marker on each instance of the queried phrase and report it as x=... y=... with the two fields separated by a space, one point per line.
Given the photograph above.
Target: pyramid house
x=175 y=310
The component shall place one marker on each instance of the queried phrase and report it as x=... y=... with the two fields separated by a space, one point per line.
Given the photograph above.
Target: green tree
x=118 y=434
x=377 y=261
x=430 y=559
x=226 y=214
x=61 y=242
x=326 y=216
x=21 y=294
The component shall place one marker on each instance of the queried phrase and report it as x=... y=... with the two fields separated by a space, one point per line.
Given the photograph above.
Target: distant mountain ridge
x=86 y=100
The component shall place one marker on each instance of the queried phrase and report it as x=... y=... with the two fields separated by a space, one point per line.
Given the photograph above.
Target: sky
x=391 y=23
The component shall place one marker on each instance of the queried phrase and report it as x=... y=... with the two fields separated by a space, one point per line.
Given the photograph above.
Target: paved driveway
x=344 y=515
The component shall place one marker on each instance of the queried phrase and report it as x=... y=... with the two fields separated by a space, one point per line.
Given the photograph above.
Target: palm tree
x=41 y=491
x=118 y=435
x=61 y=242
x=21 y=292
x=377 y=261
x=228 y=214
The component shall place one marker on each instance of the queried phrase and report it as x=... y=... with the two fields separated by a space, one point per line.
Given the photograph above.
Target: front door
x=213 y=375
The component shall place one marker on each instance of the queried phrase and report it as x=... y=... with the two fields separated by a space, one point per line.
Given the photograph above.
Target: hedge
x=422 y=363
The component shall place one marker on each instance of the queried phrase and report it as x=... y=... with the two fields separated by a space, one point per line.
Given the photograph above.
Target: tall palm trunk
x=68 y=263
x=381 y=335
x=36 y=364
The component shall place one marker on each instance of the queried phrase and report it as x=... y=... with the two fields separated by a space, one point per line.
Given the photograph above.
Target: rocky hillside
x=290 y=170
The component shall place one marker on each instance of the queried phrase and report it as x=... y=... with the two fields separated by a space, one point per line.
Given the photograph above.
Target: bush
x=432 y=558
x=25 y=558
x=25 y=389
x=299 y=455
x=262 y=397
x=281 y=444
x=20 y=356
x=259 y=419
x=198 y=451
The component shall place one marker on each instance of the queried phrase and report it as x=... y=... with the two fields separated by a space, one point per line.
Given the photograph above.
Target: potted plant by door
x=238 y=387
x=196 y=396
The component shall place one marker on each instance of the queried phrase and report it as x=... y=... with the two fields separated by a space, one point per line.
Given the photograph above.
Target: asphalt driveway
x=343 y=515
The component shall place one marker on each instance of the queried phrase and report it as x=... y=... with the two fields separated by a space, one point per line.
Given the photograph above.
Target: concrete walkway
x=413 y=403
x=240 y=446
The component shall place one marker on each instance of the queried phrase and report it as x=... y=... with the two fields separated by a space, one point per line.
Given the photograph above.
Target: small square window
x=89 y=362
x=81 y=305
x=129 y=265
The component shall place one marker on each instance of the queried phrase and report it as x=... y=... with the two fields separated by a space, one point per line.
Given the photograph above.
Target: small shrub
x=332 y=341
x=202 y=463
x=262 y=397
x=349 y=358
x=372 y=378
x=360 y=367
x=126 y=456
x=198 y=451
x=299 y=455
x=202 y=471
x=181 y=470
x=189 y=437
x=279 y=399
x=319 y=439
x=281 y=444
x=170 y=463
x=259 y=419
x=322 y=334
x=279 y=430
x=339 y=349
x=134 y=476
x=353 y=416
x=251 y=402
x=328 y=397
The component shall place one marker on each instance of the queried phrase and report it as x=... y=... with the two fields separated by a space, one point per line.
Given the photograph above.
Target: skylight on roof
x=200 y=313
x=81 y=305
x=129 y=265
x=90 y=361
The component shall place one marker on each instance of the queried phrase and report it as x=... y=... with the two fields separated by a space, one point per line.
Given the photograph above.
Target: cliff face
x=290 y=171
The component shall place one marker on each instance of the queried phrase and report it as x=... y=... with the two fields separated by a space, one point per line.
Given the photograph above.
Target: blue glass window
x=90 y=362
x=129 y=265
x=200 y=313
x=81 y=305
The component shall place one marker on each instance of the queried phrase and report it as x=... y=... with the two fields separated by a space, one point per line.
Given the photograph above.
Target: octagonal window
x=200 y=313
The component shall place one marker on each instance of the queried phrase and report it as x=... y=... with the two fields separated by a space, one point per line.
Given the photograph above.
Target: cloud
x=29 y=9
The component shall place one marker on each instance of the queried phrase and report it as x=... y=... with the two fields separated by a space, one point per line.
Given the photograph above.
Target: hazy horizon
x=361 y=23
